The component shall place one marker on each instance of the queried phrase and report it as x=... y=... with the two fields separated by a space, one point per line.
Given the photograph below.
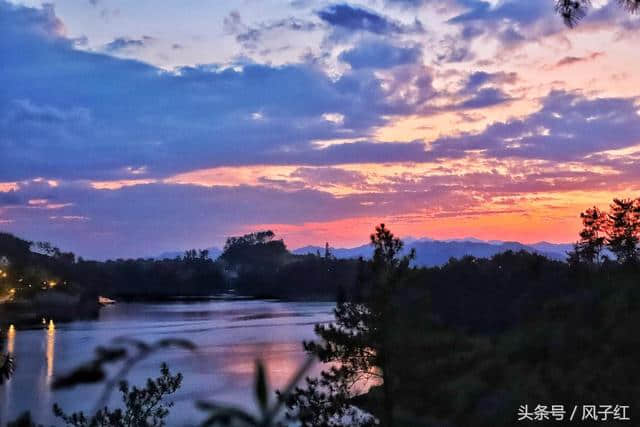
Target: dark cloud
x=232 y=23
x=522 y=12
x=377 y=54
x=568 y=127
x=486 y=97
x=455 y=50
x=358 y=152
x=30 y=24
x=74 y=114
x=329 y=176
x=510 y=21
x=251 y=36
x=480 y=78
x=353 y=19
x=124 y=43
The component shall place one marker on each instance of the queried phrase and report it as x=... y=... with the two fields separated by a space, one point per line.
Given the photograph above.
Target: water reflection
x=5 y=390
x=230 y=336
x=11 y=339
x=51 y=350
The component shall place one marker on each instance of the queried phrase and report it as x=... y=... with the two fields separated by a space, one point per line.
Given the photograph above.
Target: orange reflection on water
x=50 y=352
x=11 y=339
x=281 y=361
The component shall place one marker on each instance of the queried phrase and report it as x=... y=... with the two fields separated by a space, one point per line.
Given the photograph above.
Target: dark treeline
x=31 y=269
x=255 y=265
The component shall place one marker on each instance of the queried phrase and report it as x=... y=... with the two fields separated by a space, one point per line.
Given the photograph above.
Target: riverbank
x=61 y=307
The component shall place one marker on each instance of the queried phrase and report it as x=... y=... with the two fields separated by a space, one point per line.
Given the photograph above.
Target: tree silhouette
x=361 y=341
x=592 y=237
x=624 y=232
x=573 y=11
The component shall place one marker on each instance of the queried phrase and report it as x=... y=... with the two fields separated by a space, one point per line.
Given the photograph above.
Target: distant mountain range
x=430 y=252
x=437 y=252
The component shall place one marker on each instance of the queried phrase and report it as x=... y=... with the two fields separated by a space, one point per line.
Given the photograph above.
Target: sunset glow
x=444 y=121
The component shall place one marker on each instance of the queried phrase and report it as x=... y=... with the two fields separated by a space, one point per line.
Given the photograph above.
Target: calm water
x=230 y=335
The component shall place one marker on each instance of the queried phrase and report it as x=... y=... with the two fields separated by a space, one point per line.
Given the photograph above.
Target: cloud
x=479 y=79
x=510 y=21
x=75 y=114
x=406 y=3
x=345 y=17
x=377 y=54
x=251 y=36
x=124 y=43
x=571 y=60
x=329 y=176
x=455 y=50
x=514 y=21
x=125 y=222
x=31 y=24
x=568 y=127
x=522 y=12
x=486 y=97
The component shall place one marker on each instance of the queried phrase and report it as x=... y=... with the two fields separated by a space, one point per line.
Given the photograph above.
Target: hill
x=430 y=253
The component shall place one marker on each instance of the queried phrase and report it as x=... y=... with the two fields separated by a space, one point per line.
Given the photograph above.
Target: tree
x=592 y=237
x=142 y=406
x=389 y=268
x=573 y=11
x=253 y=250
x=624 y=231
x=360 y=342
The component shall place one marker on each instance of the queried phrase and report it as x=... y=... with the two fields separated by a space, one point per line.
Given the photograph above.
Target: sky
x=133 y=128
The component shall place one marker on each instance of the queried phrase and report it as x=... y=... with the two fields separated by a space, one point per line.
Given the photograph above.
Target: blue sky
x=132 y=128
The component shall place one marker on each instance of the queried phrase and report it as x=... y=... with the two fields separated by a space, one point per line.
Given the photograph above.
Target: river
x=229 y=334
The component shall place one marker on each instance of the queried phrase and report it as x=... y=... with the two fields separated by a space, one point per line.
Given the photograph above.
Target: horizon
x=137 y=128
x=407 y=240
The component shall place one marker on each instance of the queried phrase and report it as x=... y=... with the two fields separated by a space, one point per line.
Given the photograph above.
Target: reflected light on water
x=50 y=353
x=281 y=361
x=11 y=339
x=5 y=391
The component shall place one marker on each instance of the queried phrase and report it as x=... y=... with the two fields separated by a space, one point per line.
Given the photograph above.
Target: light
x=53 y=284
